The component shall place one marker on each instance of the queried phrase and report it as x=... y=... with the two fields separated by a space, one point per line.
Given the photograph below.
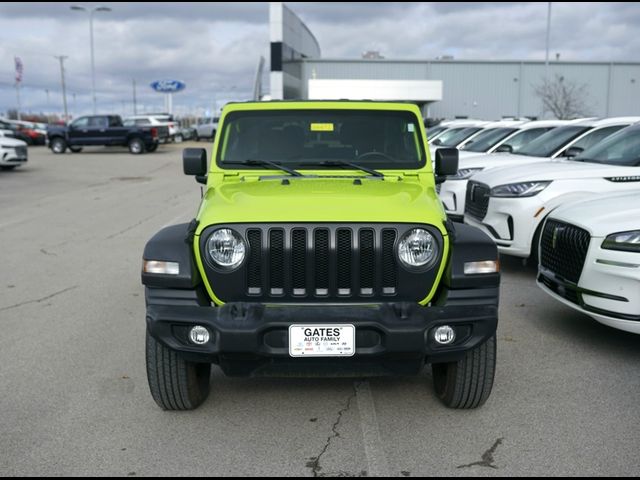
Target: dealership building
x=444 y=88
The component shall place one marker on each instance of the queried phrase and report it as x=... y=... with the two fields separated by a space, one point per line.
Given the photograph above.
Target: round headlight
x=226 y=248
x=417 y=248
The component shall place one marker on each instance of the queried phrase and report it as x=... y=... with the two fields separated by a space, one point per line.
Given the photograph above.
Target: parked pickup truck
x=106 y=130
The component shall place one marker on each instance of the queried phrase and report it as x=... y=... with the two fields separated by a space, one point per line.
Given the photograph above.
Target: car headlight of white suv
x=465 y=173
x=624 y=241
x=519 y=190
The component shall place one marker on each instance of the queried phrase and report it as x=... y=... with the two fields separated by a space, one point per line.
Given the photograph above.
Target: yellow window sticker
x=322 y=127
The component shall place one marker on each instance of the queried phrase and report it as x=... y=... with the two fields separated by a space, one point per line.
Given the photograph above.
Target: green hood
x=321 y=200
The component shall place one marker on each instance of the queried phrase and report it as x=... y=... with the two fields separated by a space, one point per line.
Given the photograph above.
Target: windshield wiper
x=267 y=163
x=344 y=163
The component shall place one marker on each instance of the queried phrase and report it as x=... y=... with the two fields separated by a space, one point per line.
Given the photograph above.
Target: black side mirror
x=504 y=148
x=573 y=152
x=194 y=162
x=446 y=163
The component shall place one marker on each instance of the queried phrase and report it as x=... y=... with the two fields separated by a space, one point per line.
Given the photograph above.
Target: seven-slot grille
x=477 y=200
x=318 y=263
x=563 y=249
x=321 y=262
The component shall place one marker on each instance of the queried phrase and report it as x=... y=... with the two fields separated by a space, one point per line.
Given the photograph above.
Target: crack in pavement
x=314 y=462
x=487 y=457
x=38 y=300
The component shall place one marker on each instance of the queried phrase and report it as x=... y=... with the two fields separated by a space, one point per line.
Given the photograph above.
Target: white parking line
x=376 y=459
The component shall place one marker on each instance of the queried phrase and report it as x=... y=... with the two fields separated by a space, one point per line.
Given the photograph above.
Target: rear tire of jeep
x=136 y=146
x=175 y=384
x=467 y=383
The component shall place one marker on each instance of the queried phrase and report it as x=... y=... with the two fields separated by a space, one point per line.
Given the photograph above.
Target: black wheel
x=136 y=146
x=175 y=384
x=467 y=383
x=58 y=145
x=196 y=138
x=75 y=149
x=8 y=167
x=152 y=148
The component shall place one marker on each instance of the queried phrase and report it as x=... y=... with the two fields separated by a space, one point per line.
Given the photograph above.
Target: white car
x=510 y=203
x=562 y=141
x=156 y=120
x=434 y=132
x=13 y=152
x=455 y=136
x=590 y=258
x=207 y=128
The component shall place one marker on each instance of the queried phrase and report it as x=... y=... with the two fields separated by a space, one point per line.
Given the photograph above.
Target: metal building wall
x=492 y=90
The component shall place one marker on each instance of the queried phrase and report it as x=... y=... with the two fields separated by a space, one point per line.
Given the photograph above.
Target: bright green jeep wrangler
x=320 y=248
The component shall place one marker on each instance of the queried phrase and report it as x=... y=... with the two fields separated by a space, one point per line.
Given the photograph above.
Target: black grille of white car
x=21 y=152
x=563 y=249
x=477 y=200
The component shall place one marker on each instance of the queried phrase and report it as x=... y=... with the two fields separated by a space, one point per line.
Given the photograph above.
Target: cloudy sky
x=214 y=47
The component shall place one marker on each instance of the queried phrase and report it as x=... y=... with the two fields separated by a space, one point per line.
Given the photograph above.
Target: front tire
x=75 y=149
x=467 y=383
x=136 y=146
x=175 y=384
x=8 y=167
x=58 y=145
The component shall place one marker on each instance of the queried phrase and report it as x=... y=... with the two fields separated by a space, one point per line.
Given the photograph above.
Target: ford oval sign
x=168 y=86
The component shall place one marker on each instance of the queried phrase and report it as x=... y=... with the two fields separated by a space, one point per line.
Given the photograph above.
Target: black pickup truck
x=106 y=130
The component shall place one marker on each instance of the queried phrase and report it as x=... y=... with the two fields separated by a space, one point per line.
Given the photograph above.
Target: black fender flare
x=173 y=244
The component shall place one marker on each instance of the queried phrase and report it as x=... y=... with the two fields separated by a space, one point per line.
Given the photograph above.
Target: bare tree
x=563 y=98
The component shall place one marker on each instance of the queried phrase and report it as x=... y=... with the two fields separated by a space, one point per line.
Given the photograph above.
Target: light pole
x=91 y=11
x=546 y=56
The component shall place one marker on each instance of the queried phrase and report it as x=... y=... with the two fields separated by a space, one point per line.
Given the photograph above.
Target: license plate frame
x=325 y=340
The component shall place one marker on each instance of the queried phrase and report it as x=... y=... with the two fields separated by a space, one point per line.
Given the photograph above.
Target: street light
x=91 y=11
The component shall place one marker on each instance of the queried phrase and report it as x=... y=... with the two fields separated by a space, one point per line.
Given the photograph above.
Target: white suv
x=13 y=152
x=510 y=203
x=472 y=160
x=159 y=120
x=590 y=258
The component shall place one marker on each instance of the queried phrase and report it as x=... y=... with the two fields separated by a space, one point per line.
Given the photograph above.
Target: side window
x=98 y=122
x=596 y=136
x=519 y=141
x=81 y=122
x=143 y=121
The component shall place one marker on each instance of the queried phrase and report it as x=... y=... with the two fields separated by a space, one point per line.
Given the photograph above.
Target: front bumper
x=452 y=193
x=11 y=157
x=511 y=223
x=608 y=289
x=391 y=338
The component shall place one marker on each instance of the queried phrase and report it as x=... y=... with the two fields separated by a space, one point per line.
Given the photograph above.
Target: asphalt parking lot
x=73 y=391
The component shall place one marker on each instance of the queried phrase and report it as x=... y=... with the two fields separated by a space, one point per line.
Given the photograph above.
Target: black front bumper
x=391 y=338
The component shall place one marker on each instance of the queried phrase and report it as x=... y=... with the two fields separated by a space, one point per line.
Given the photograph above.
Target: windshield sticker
x=322 y=127
x=410 y=128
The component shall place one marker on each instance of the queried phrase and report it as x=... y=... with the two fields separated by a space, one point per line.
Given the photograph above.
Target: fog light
x=444 y=335
x=199 y=335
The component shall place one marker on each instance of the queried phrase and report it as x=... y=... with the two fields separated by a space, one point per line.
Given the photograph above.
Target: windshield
x=549 y=143
x=456 y=136
x=433 y=131
x=314 y=138
x=622 y=148
x=487 y=139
